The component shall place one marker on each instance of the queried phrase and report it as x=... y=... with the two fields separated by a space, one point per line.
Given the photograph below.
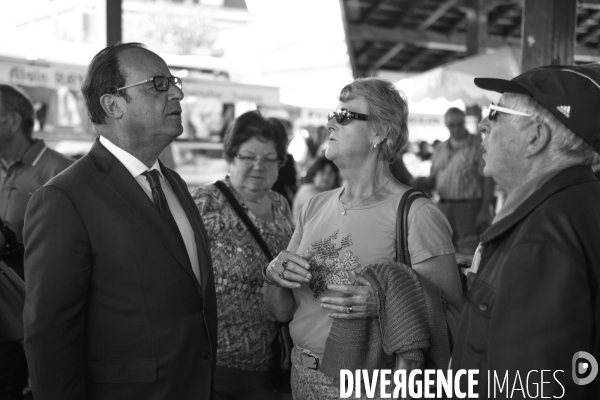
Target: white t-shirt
x=340 y=243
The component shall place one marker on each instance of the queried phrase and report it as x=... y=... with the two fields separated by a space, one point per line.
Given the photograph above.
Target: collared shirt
x=19 y=180
x=459 y=169
x=520 y=194
x=512 y=203
x=137 y=168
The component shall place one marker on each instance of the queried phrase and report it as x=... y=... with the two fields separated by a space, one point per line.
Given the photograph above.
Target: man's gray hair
x=15 y=100
x=565 y=145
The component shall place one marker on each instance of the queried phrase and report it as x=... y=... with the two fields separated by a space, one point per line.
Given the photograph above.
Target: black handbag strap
x=237 y=207
x=402 y=253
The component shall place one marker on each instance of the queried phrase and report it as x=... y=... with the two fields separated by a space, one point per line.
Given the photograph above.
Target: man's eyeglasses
x=494 y=109
x=161 y=83
x=344 y=115
x=252 y=160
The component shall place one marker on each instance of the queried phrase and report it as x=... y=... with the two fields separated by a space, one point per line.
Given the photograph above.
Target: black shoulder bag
x=281 y=367
x=402 y=253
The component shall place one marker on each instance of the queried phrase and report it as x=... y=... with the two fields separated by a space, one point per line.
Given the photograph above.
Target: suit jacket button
x=205 y=355
x=483 y=306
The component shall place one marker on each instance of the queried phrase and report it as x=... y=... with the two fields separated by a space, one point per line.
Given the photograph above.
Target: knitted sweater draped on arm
x=410 y=324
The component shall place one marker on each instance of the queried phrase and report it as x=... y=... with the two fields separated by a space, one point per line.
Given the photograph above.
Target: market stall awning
x=232 y=92
x=454 y=81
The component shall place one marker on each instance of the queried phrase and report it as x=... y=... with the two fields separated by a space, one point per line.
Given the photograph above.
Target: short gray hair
x=388 y=112
x=564 y=144
x=15 y=100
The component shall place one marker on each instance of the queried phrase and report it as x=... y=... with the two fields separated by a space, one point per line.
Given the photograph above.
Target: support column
x=477 y=27
x=114 y=21
x=548 y=33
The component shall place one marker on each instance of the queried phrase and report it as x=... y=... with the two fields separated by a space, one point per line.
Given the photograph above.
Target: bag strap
x=402 y=253
x=237 y=207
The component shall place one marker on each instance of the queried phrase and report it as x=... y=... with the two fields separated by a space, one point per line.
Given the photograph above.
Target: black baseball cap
x=571 y=93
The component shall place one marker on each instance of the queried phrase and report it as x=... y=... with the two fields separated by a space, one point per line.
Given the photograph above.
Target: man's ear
x=111 y=105
x=538 y=140
x=15 y=122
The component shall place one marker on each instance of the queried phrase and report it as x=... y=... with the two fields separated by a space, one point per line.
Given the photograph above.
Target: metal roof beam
x=371 y=11
x=391 y=53
x=437 y=14
x=593 y=32
x=362 y=56
x=415 y=60
x=406 y=10
x=595 y=4
x=430 y=40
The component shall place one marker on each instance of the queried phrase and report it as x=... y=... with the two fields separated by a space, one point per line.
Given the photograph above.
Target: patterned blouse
x=244 y=332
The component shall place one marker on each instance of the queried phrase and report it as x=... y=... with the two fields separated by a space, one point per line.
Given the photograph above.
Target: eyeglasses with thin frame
x=161 y=83
x=494 y=109
x=344 y=115
x=252 y=160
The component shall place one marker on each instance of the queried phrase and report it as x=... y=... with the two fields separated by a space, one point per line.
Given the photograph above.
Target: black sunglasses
x=344 y=115
x=161 y=83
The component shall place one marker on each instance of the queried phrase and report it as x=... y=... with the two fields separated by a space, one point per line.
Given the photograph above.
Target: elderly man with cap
x=532 y=318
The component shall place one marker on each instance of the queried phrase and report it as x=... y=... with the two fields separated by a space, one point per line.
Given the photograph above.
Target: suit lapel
x=124 y=185
x=195 y=221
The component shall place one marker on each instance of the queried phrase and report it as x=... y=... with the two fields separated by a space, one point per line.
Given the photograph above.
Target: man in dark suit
x=120 y=292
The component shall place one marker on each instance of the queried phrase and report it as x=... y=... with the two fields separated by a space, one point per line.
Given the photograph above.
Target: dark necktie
x=160 y=201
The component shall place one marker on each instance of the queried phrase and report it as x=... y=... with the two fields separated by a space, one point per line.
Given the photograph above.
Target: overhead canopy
x=417 y=35
x=454 y=81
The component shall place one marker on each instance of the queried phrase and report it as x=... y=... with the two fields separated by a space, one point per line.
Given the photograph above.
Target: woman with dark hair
x=323 y=175
x=342 y=231
x=286 y=181
x=254 y=152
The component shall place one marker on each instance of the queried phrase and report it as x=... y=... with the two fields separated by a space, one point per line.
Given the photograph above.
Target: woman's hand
x=359 y=301
x=287 y=269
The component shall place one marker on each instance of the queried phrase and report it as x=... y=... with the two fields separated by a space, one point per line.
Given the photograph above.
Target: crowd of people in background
x=140 y=287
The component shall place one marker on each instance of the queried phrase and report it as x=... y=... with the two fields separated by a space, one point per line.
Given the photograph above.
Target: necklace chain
x=362 y=201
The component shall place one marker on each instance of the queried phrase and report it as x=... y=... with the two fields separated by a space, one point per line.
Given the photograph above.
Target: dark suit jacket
x=113 y=309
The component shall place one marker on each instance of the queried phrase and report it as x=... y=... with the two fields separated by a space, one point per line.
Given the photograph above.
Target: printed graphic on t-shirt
x=327 y=268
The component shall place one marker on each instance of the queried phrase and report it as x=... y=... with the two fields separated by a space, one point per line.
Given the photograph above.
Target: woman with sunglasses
x=351 y=227
x=254 y=148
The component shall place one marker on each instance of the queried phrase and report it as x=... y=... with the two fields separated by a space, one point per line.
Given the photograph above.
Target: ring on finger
x=281 y=274
x=348 y=309
x=284 y=264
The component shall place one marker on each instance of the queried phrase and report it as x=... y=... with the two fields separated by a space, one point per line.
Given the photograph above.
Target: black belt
x=448 y=201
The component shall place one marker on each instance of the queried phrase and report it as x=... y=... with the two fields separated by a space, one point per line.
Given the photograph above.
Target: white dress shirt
x=137 y=168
